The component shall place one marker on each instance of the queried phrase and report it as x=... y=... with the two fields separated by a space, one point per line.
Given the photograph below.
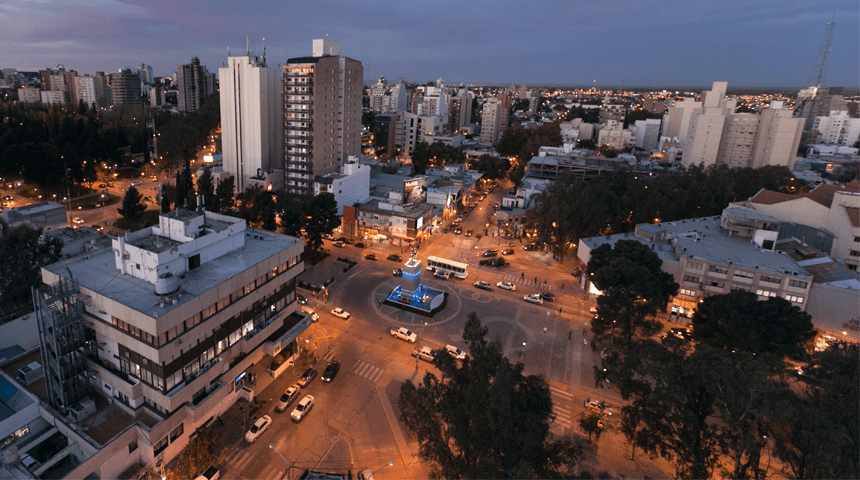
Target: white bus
x=457 y=269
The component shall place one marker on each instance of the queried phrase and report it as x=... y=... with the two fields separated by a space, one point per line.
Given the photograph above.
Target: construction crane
x=820 y=69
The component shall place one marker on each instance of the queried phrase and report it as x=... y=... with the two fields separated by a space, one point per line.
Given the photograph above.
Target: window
x=694 y=265
x=177 y=432
x=743 y=274
x=687 y=292
x=797 y=283
x=794 y=298
x=765 y=278
x=857 y=239
x=132 y=446
x=691 y=279
x=741 y=287
x=854 y=253
x=714 y=283
x=765 y=293
x=159 y=446
x=716 y=269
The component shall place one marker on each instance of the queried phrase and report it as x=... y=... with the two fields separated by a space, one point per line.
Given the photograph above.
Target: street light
x=522 y=352
x=287 y=471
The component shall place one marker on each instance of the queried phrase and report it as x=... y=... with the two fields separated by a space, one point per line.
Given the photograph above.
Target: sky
x=658 y=43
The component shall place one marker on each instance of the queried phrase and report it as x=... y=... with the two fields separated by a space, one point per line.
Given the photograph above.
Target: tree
x=22 y=255
x=131 y=206
x=320 y=218
x=420 y=157
x=206 y=188
x=198 y=454
x=178 y=191
x=634 y=290
x=167 y=191
x=817 y=436
x=738 y=321
x=491 y=166
x=484 y=418
x=224 y=193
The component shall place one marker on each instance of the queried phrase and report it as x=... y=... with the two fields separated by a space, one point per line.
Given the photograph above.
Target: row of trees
x=572 y=208
x=725 y=403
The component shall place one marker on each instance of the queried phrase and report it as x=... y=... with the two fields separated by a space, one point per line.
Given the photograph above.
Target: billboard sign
x=415 y=191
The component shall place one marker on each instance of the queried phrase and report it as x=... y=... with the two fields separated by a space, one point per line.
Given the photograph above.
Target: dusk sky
x=748 y=43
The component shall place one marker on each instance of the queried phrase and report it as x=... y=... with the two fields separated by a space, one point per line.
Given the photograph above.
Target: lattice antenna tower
x=820 y=70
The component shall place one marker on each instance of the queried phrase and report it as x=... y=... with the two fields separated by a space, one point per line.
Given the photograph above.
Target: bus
x=436 y=264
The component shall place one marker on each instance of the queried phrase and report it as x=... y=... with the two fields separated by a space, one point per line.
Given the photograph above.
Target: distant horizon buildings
x=194 y=83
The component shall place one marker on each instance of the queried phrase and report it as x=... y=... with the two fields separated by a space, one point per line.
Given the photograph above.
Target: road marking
x=328 y=356
x=239 y=459
x=368 y=371
x=561 y=393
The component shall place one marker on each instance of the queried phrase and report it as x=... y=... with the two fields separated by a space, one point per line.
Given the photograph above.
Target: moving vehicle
x=547 y=297
x=425 y=353
x=258 y=428
x=507 y=286
x=455 y=352
x=493 y=262
x=395 y=257
x=331 y=371
x=468 y=232
x=303 y=408
x=301 y=299
x=404 y=334
x=483 y=286
x=360 y=245
x=442 y=275
x=490 y=253
x=339 y=312
x=78 y=221
x=508 y=251
x=314 y=316
x=287 y=397
x=307 y=377
x=371 y=256
x=397 y=272
x=533 y=299
x=530 y=247
x=338 y=244
x=598 y=406
x=438 y=264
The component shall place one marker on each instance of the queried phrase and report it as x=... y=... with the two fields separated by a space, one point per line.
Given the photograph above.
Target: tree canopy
x=483 y=418
x=131 y=204
x=22 y=255
x=491 y=166
x=738 y=321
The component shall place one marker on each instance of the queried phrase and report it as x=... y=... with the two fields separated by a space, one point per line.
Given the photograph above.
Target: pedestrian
x=569 y=334
x=535 y=280
x=523 y=275
x=562 y=285
x=559 y=311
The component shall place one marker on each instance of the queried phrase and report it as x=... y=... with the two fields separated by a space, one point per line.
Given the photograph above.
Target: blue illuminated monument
x=412 y=295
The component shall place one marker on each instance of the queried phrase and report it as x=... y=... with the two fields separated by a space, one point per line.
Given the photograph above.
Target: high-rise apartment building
x=322 y=97
x=676 y=122
x=376 y=92
x=494 y=119
x=145 y=73
x=29 y=95
x=817 y=102
x=252 y=131
x=778 y=137
x=397 y=99
x=193 y=84
x=838 y=128
x=125 y=88
x=92 y=90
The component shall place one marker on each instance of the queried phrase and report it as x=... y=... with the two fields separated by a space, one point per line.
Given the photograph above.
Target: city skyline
x=748 y=44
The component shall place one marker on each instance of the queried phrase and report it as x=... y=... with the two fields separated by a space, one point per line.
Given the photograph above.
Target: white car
x=287 y=398
x=507 y=286
x=339 y=312
x=78 y=221
x=303 y=408
x=258 y=428
x=455 y=352
x=533 y=299
x=598 y=406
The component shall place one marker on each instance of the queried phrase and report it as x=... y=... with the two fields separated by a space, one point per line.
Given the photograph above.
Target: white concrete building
x=376 y=92
x=676 y=122
x=837 y=128
x=494 y=119
x=613 y=135
x=52 y=97
x=349 y=187
x=252 y=119
x=647 y=133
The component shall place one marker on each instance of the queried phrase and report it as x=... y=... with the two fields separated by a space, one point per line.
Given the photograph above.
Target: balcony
x=299 y=102
x=308 y=144
x=299 y=129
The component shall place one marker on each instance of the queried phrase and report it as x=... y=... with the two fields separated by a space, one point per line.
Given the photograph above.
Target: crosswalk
x=243 y=462
x=368 y=371
x=562 y=407
x=528 y=282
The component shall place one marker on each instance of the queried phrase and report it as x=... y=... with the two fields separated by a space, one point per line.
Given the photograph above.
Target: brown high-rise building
x=125 y=88
x=322 y=114
x=193 y=84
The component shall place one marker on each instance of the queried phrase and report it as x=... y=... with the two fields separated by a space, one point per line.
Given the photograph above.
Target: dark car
x=547 y=297
x=493 y=262
x=331 y=371
x=302 y=299
x=468 y=233
x=530 y=247
x=360 y=245
x=457 y=230
x=307 y=377
x=397 y=272
x=371 y=256
x=344 y=240
x=508 y=251
x=395 y=257
x=490 y=253
x=483 y=286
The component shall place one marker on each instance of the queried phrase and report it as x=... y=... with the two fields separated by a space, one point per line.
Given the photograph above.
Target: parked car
x=455 y=352
x=530 y=247
x=314 y=316
x=339 y=312
x=425 y=353
x=490 y=253
x=307 y=377
x=547 y=297
x=211 y=473
x=397 y=272
x=97 y=228
x=404 y=334
x=457 y=230
x=371 y=256
x=598 y=406
x=440 y=274
x=287 y=397
x=507 y=286
x=395 y=257
x=258 y=428
x=301 y=299
x=493 y=262
x=78 y=221
x=360 y=245
x=533 y=299
x=483 y=285
x=303 y=408
x=331 y=371
x=468 y=233
x=508 y=251
x=339 y=244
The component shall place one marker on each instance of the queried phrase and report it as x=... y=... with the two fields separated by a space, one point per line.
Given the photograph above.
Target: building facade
x=322 y=97
x=494 y=119
x=193 y=84
x=125 y=89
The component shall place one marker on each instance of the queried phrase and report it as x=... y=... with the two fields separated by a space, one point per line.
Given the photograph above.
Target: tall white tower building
x=252 y=116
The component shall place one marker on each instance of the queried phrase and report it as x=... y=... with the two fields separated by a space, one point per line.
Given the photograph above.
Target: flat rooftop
x=97 y=272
